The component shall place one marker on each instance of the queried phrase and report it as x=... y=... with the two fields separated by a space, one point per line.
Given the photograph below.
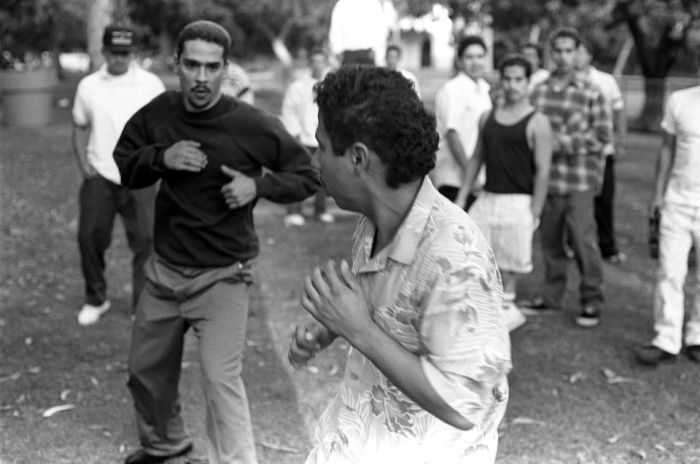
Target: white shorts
x=507 y=223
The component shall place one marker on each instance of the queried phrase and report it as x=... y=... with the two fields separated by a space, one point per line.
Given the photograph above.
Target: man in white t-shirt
x=604 y=200
x=358 y=31
x=104 y=102
x=459 y=105
x=393 y=58
x=677 y=197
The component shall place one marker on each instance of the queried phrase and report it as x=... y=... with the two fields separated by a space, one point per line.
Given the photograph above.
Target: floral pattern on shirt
x=435 y=289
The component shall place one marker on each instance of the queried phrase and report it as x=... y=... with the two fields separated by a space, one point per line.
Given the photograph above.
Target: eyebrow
x=193 y=62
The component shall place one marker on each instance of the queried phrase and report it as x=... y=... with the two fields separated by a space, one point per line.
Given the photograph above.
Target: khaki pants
x=214 y=302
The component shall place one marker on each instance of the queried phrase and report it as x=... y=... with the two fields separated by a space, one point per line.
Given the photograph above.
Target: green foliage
x=33 y=26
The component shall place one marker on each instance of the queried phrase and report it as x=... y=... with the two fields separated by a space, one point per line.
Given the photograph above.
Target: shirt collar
x=106 y=75
x=404 y=246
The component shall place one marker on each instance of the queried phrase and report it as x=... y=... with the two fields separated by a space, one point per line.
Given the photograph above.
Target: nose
x=201 y=74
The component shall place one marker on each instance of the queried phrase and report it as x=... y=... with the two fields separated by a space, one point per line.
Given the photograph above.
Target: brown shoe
x=653 y=356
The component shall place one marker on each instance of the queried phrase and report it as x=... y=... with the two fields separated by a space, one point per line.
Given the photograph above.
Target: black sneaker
x=589 y=317
x=693 y=352
x=652 y=355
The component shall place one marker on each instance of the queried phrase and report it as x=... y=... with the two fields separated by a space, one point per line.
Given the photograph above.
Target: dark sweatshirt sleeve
x=138 y=157
x=289 y=177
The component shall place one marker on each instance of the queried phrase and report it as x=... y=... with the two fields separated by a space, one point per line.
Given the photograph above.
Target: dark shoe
x=589 y=317
x=693 y=352
x=652 y=355
x=535 y=307
x=142 y=457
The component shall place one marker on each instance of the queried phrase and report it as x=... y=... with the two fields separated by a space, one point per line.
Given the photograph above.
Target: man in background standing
x=358 y=31
x=533 y=53
x=581 y=127
x=393 y=58
x=515 y=146
x=677 y=197
x=300 y=118
x=104 y=102
x=459 y=104
x=604 y=201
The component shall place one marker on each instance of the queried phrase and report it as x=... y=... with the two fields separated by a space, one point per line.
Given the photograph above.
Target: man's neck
x=388 y=211
x=563 y=76
x=516 y=106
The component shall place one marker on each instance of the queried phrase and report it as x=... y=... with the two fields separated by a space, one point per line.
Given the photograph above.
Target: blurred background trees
x=660 y=37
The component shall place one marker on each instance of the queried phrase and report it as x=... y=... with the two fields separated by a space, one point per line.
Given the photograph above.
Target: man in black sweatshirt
x=209 y=151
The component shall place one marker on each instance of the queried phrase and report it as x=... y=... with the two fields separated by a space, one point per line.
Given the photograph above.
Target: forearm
x=539 y=193
x=457 y=149
x=81 y=136
x=404 y=370
x=663 y=171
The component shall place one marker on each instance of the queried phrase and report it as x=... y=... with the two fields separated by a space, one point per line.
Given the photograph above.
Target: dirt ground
x=577 y=395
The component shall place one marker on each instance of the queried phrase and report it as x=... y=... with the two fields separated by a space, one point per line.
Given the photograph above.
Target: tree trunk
x=99 y=17
x=654 y=89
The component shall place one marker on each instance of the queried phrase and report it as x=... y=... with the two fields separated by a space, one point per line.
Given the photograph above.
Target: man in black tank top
x=515 y=145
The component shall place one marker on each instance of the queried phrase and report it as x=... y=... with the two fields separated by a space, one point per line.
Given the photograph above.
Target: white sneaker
x=326 y=218
x=295 y=219
x=513 y=315
x=90 y=314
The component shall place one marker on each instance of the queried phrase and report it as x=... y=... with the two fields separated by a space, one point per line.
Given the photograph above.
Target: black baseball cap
x=119 y=38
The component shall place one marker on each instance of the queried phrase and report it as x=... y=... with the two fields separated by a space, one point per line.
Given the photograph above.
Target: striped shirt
x=582 y=123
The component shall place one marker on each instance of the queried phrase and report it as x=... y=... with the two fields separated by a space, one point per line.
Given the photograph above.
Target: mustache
x=200 y=87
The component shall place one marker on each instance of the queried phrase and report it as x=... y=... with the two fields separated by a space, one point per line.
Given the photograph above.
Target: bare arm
x=81 y=136
x=620 y=123
x=540 y=135
x=664 y=162
x=473 y=164
x=457 y=149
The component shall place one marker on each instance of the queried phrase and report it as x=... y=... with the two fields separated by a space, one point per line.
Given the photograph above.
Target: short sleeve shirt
x=436 y=290
x=105 y=103
x=459 y=105
x=607 y=84
x=682 y=119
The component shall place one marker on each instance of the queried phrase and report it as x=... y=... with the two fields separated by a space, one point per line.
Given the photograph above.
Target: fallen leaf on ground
x=576 y=376
x=94 y=381
x=64 y=394
x=333 y=370
x=641 y=454
x=11 y=377
x=312 y=369
x=56 y=409
x=614 y=439
x=661 y=448
x=34 y=370
x=526 y=421
x=679 y=443
x=613 y=378
x=283 y=448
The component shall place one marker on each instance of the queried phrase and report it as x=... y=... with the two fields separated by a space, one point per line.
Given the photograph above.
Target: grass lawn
x=576 y=395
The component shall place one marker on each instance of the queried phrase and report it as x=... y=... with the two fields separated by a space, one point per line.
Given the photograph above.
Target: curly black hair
x=381 y=109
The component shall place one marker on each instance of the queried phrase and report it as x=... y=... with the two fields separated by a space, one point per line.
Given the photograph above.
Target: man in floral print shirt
x=425 y=379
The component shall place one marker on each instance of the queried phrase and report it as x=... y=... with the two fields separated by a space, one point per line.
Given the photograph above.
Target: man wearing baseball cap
x=104 y=102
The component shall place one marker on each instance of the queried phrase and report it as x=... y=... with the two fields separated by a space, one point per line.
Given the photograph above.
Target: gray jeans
x=214 y=302
x=572 y=214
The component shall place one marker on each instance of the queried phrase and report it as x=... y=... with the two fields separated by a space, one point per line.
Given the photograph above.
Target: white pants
x=680 y=227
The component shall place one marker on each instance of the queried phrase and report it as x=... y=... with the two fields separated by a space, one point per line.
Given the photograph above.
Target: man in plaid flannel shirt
x=581 y=126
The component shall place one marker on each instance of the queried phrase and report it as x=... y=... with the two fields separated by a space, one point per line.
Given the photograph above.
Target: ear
x=359 y=156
